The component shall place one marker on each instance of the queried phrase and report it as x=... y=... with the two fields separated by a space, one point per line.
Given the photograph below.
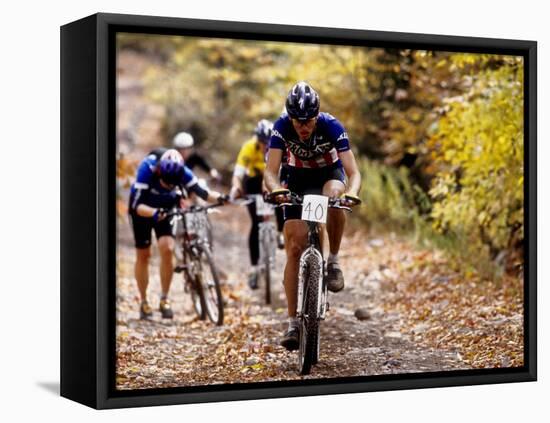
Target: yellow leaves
x=257 y=366
x=482 y=218
x=449 y=155
x=479 y=139
x=462 y=60
x=441 y=187
x=441 y=63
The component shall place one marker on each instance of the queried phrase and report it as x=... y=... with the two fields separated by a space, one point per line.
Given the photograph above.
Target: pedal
x=179 y=268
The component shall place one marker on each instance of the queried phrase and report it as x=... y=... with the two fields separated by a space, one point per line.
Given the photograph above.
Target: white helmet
x=183 y=140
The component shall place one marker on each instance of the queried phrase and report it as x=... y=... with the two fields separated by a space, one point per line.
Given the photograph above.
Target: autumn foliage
x=439 y=135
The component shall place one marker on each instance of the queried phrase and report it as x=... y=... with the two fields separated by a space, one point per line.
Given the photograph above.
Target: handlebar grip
x=158 y=213
x=224 y=198
x=353 y=199
x=270 y=197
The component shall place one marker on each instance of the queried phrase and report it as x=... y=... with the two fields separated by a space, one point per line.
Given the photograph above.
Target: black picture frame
x=88 y=217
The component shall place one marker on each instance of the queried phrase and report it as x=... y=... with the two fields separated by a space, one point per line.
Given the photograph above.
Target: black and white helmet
x=263 y=130
x=302 y=102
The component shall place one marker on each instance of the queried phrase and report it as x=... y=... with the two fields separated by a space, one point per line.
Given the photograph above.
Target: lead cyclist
x=319 y=162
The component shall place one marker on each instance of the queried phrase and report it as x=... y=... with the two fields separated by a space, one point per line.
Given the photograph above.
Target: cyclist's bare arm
x=237 y=181
x=144 y=210
x=352 y=172
x=274 y=158
x=213 y=196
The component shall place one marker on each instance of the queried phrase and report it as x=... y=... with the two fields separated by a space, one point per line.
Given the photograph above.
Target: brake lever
x=346 y=208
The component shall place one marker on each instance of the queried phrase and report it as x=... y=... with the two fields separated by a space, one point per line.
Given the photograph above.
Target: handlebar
x=177 y=211
x=297 y=200
x=245 y=200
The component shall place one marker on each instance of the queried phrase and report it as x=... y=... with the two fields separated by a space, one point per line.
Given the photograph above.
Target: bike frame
x=195 y=246
x=193 y=243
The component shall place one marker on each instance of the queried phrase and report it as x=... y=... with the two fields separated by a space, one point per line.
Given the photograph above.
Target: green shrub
x=392 y=201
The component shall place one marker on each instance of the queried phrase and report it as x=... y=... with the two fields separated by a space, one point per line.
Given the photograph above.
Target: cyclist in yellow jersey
x=251 y=160
x=247 y=179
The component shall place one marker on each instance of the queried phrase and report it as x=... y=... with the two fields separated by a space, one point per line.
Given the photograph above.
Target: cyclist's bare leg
x=141 y=270
x=336 y=218
x=166 y=249
x=295 y=232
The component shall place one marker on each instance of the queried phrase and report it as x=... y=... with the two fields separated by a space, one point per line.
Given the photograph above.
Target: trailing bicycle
x=267 y=240
x=312 y=304
x=194 y=259
x=267 y=237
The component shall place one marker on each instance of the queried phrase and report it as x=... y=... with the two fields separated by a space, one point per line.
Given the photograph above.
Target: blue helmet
x=171 y=167
x=263 y=130
x=302 y=102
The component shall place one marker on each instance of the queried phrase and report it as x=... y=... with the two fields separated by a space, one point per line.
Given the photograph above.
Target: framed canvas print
x=258 y=211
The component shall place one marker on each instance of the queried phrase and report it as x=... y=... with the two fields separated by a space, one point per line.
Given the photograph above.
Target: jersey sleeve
x=145 y=173
x=277 y=139
x=200 y=191
x=189 y=179
x=338 y=134
x=243 y=159
x=139 y=193
x=191 y=183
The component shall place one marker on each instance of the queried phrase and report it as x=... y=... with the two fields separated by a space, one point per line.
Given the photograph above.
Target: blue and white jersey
x=327 y=140
x=147 y=188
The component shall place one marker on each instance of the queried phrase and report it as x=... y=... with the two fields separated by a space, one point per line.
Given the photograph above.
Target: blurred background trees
x=438 y=135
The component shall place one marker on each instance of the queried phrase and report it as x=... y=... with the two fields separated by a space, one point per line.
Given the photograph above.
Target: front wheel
x=198 y=301
x=210 y=283
x=191 y=283
x=193 y=286
x=309 y=325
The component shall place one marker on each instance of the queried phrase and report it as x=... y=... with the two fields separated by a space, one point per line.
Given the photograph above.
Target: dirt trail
x=186 y=351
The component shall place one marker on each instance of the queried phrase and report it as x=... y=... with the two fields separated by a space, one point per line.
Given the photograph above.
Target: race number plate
x=314 y=208
x=263 y=208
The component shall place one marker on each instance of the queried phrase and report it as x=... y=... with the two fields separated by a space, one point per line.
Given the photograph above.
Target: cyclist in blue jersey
x=160 y=179
x=319 y=161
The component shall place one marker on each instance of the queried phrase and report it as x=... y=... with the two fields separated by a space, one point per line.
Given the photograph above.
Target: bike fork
x=323 y=305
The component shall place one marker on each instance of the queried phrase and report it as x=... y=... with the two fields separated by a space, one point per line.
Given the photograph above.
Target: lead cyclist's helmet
x=263 y=130
x=171 y=167
x=183 y=140
x=302 y=102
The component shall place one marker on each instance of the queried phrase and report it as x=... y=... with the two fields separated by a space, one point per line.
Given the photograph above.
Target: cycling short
x=143 y=226
x=310 y=181
x=253 y=184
